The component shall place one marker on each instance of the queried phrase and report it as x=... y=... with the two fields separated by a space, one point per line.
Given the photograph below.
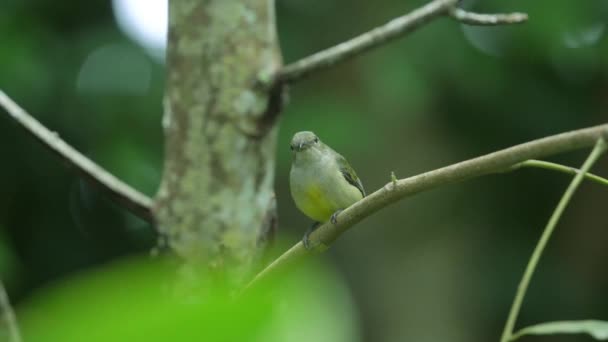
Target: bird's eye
x=316 y=140
x=291 y=147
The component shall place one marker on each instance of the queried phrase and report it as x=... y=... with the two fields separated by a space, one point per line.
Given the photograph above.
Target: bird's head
x=303 y=141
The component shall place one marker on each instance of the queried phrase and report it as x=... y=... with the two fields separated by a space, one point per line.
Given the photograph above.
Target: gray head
x=303 y=141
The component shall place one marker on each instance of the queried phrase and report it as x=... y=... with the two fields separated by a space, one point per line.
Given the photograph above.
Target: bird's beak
x=300 y=147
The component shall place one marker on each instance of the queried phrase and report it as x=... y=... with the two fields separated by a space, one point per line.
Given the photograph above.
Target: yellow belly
x=315 y=204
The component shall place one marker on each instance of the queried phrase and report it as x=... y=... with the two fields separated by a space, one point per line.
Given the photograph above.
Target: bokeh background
x=442 y=265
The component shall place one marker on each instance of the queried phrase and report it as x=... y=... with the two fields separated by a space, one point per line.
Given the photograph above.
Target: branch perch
x=393 y=29
x=495 y=162
x=136 y=202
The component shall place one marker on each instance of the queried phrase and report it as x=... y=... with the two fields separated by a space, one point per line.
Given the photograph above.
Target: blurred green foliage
x=443 y=265
x=140 y=300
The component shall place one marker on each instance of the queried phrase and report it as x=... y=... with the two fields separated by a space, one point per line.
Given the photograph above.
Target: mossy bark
x=216 y=198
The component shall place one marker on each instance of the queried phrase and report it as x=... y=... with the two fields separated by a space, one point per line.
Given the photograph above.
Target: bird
x=321 y=181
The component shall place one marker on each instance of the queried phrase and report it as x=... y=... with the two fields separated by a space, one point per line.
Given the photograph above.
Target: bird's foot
x=305 y=238
x=334 y=217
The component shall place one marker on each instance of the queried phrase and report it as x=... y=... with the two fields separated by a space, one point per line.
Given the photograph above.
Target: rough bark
x=216 y=196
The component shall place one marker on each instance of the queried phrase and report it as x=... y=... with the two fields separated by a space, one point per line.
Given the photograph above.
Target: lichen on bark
x=220 y=132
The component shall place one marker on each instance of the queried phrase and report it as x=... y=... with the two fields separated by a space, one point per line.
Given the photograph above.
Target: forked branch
x=598 y=150
x=393 y=29
x=133 y=200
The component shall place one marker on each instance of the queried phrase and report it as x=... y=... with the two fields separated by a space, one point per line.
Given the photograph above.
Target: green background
x=442 y=265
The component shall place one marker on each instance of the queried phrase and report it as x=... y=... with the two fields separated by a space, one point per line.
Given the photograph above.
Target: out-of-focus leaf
x=142 y=300
x=597 y=329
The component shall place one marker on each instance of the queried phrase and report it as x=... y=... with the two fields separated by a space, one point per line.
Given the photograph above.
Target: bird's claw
x=334 y=217
x=306 y=240
x=306 y=237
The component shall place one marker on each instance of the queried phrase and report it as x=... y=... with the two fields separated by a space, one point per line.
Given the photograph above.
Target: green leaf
x=597 y=329
x=142 y=299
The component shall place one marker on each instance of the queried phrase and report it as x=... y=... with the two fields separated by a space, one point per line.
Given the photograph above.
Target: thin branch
x=388 y=32
x=122 y=193
x=471 y=18
x=8 y=316
x=541 y=164
x=355 y=46
x=592 y=327
x=600 y=147
x=392 y=192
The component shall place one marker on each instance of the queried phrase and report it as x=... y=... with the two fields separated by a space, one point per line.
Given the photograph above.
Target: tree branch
x=388 y=32
x=393 y=191
x=136 y=202
x=471 y=18
x=8 y=316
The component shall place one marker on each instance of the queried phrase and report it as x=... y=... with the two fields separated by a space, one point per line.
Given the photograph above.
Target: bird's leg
x=334 y=217
x=305 y=240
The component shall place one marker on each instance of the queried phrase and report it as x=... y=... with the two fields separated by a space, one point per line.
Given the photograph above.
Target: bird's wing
x=349 y=173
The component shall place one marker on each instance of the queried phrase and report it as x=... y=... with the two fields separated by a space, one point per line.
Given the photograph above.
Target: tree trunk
x=216 y=198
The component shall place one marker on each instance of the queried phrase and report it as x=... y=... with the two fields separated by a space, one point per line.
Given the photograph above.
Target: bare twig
x=541 y=164
x=471 y=18
x=488 y=164
x=598 y=150
x=388 y=32
x=122 y=193
x=8 y=316
x=592 y=327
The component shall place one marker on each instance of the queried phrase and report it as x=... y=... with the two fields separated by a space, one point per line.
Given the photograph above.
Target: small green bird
x=322 y=181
